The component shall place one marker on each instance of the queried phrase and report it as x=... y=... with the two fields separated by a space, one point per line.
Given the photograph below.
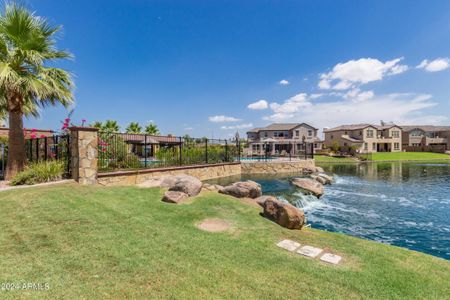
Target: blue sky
x=195 y=66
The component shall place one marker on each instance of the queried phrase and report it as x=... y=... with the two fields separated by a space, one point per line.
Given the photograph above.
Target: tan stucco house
x=426 y=135
x=365 y=138
x=282 y=139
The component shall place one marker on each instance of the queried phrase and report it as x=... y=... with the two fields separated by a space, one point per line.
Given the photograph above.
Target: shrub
x=39 y=172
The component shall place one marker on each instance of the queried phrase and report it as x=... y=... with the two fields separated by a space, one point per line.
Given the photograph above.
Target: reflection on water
x=404 y=204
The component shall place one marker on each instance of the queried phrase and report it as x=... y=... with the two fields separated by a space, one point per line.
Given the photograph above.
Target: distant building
x=4 y=131
x=282 y=139
x=365 y=138
x=426 y=135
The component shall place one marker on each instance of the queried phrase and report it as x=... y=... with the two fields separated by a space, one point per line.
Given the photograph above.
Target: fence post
x=206 y=151
x=145 y=150
x=312 y=151
x=290 y=149
x=226 y=151
x=45 y=147
x=37 y=149
x=181 y=150
x=84 y=154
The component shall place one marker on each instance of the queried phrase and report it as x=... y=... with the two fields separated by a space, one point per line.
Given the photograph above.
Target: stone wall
x=138 y=176
x=276 y=167
x=84 y=154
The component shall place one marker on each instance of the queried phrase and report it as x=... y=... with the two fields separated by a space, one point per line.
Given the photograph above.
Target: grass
x=408 y=156
x=331 y=159
x=123 y=242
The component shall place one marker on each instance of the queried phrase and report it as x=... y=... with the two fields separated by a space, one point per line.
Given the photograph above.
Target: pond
x=403 y=204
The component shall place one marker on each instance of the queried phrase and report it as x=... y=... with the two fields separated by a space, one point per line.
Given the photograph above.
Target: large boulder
x=309 y=186
x=319 y=170
x=318 y=179
x=327 y=178
x=243 y=189
x=174 y=197
x=282 y=213
x=212 y=187
x=186 y=184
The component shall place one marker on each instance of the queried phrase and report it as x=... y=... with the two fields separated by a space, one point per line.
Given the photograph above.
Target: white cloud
x=261 y=104
x=284 y=82
x=235 y=127
x=353 y=73
x=436 y=65
x=291 y=105
x=189 y=128
x=222 y=118
x=358 y=106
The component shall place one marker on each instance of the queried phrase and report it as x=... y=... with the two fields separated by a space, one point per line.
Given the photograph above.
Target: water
x=403 y=204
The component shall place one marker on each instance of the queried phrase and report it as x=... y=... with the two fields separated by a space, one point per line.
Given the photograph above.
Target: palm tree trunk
x=16 y=145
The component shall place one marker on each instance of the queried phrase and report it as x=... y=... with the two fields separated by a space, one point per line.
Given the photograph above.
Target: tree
x=110 y=126
x=97 y=124
x=152 y=129
x=134 y=127
x=28 y=78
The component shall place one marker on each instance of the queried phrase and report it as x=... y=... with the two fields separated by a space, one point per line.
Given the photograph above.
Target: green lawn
x=330 y=159
x=406 y=156
x=96 y=242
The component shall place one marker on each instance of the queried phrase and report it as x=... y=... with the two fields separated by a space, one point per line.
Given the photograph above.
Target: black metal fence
x=41 y=149
x=285 y=151
x=46 y=148
x=121 y=151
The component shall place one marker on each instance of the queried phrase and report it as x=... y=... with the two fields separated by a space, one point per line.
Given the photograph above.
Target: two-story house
x=282 y=138
x=365 y=138
x=426 y=135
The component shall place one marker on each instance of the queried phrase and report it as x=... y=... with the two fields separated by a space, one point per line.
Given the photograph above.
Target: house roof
x=359 y=127
x=426 y=128
x=280 y=126
x=353 y=140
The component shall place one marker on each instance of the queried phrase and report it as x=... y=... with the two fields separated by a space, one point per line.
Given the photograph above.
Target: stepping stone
x=309 y=251
x=288 y=245
x=331 y=258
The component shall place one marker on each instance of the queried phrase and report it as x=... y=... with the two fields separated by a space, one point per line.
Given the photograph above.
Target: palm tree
x=110 y=126
x=28 y=79
x=134 y=127
x=152 y=129
x=97 y=124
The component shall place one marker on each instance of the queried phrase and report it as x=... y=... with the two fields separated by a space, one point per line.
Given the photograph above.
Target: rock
x=184 y=183
x=261 y=200
x=319 y=170
x=212 y=187
x=243 y=189
x=318 y=179
x=309 y=186
x=308 y=170
x=174 y=197
x=328 y=179
x=282 y=213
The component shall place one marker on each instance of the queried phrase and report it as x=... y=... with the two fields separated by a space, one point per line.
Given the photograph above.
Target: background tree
x=28 y=79
x=134 y=127
x=152 y=129
x=97 y=124
x=110 y=126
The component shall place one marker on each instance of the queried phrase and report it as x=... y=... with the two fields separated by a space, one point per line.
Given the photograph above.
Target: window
x=366 y=146
x=396 y=146
x=374 y=146
x=297 y=133
x=360 y=133
x=345 y=132
x=265 y=134
x=345 y=144
x=315 y=146
x=310 y=132
x=416 y=132
x=369 y=133
x=332 y=137
x=396 y=134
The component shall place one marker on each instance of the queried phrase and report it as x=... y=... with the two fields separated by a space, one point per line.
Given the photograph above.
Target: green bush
x=39 y=172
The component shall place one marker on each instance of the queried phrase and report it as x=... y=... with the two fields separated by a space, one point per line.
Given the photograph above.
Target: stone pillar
x=84 y=154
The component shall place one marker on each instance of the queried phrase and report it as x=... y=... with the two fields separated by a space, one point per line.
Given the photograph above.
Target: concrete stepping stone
x=331 y=258
x=309 y=251
x=288 y=245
